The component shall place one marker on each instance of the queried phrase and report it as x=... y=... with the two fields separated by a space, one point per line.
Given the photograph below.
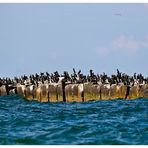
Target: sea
x=110 y=122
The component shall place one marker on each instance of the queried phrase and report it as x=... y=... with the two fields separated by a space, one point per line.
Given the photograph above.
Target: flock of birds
x=75 y=78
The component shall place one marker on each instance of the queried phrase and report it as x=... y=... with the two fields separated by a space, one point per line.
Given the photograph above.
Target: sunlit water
x=98 y=122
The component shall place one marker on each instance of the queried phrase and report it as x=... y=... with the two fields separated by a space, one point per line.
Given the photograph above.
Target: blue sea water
x=97 y=122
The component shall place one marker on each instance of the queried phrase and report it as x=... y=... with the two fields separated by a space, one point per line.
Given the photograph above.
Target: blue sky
x=49 y=37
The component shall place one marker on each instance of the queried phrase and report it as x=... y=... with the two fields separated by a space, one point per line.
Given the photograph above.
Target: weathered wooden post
x=74 y=93
x=3 y=90
x=113 y=94
x=29 y=92
x=59 y=93
x=81 y=92
x=91 y=92
x=63 y=90
x=71 y=92
x=44 y=93
x=105 y=92
x=134 y=92
x=38 y=94
x=53 y=95
x=121 y=91
x=145 y=90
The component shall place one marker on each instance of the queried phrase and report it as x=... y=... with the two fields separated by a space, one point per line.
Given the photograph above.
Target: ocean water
x=97 y=122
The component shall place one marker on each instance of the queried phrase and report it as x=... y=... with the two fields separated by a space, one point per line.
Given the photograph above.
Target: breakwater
x=45 y=87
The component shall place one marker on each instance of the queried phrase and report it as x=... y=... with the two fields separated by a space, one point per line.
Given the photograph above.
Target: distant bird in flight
x=118 y=14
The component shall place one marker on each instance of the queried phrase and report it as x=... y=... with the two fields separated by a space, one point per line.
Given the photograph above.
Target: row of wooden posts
x=79 y=92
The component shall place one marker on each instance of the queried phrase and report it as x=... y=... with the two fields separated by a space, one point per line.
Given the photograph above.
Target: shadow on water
x=108 y=122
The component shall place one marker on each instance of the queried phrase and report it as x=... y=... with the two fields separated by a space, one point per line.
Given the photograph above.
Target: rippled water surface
x=97 y=122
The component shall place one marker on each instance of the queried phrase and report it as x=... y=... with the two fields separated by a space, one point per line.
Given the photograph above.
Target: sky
x=60 y=37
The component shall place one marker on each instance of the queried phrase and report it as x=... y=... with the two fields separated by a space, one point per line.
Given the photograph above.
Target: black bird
x=79 y=72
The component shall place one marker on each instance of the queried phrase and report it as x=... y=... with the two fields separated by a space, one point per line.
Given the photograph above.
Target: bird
x=118 y=14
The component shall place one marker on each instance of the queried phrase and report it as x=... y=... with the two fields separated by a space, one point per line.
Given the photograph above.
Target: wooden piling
x=3 y=90
x=92 y=92
x=74 y=93
x=144 y=89
x=59 y=93
x=78 y=92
